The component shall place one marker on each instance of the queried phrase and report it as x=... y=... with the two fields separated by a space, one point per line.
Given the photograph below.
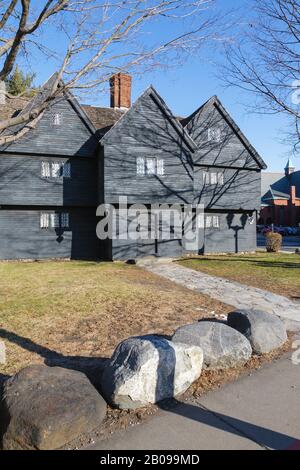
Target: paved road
x=261 y=411
x=289 y=243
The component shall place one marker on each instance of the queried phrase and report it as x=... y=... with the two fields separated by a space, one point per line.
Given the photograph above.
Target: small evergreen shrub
x=273 y=242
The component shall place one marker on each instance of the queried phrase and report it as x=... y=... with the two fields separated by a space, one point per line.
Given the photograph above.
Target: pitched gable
x=146 y=107
x=148 y=130
x=74 y=136
x=219 y=140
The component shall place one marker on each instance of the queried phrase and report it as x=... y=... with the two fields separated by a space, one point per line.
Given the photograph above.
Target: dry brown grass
x=73 y=313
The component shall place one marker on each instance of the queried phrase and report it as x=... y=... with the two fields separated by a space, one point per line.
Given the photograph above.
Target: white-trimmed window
x=44 y=220
x=160 y=167
x=64 y=220
x=54 y=220
x=220 y=178
x=66 y=170
x=213 y=178
x=46 y=170
x=140 y=166
x=150 y=166
x=56 y=119
x=212 y=221
x=56 y=170
x=214 y=134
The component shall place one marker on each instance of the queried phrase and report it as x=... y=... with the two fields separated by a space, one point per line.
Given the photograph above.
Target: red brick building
x=281 y=197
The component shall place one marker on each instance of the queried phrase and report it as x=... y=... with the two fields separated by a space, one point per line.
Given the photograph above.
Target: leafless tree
x=99 y=37
x=265 y=60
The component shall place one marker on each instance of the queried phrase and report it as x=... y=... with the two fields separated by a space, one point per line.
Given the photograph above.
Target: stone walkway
x=230 y=292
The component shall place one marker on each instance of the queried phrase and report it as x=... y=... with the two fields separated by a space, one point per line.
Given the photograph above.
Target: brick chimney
x=293 y=195
x=120 y=91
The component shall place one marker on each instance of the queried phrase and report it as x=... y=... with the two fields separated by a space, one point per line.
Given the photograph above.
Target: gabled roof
x=214 y=101
x=166 y=111
x=278 y=185
x=40 y=97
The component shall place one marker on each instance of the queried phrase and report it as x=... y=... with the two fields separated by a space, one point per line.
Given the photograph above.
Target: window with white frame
x=46 y=170
x=57 y=119
x=214 y=134
x=56 y=170
x=213 y=178
x=140 y=166
x=220 y=178
x=160 y=167
x=212 y=221
x=66 y=170
x=54 y=220
x=150 y=166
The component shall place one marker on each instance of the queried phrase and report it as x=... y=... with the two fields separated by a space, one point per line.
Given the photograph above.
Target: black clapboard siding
x=145 y=131
x=241 y=189
x=21 y=182
x=230 y=151
x=72 y=137
x=22 y=238
x=235 y=234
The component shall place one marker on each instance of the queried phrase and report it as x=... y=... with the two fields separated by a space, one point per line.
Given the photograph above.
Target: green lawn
x=279 y=273
x=69 y=311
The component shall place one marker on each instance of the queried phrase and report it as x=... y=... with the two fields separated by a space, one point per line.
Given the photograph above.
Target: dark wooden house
x=53 y=179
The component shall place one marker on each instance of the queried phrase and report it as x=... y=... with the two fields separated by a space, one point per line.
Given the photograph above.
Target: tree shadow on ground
x=256 y=262
x=91 y=366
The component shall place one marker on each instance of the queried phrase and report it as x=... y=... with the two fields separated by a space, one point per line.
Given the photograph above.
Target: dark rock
x=47 y=407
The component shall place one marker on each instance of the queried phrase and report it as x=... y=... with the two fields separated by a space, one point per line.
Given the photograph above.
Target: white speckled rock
x=148 y=369
x=265 y=332
x=222 y=346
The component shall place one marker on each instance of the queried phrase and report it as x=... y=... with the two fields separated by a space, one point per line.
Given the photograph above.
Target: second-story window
x=213 y=178
x=54 y=220
x=150 y=166
x=56 y=170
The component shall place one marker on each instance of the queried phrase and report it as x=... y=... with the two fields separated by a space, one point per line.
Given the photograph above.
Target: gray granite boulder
x=46 y=407
x=148 y=369
x=265 y=331
x=222 y=346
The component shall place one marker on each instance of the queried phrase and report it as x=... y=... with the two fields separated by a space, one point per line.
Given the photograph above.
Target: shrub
x=273 y=242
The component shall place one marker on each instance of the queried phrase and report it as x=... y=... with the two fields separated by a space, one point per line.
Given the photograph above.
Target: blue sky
x=186 y=87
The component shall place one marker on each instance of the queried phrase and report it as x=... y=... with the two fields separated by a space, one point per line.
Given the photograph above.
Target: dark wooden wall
x=22 y=238
x=145 y=131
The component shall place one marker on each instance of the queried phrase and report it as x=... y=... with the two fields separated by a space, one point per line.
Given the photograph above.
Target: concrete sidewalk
x=261 y=411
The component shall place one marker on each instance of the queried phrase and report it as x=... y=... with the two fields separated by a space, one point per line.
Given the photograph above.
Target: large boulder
x=265 y=331
x=148 y=369
x=222 y=346
x=46 y=407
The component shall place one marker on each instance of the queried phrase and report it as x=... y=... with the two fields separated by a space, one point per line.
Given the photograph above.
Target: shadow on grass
x=91 y=366
x=256 y=262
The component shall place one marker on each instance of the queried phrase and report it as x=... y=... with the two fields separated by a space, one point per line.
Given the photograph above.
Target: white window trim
x=150 y=166
x=214 y=134
x=57 y=119
x=212 y=222
x=54 y=220
x=213 y=178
